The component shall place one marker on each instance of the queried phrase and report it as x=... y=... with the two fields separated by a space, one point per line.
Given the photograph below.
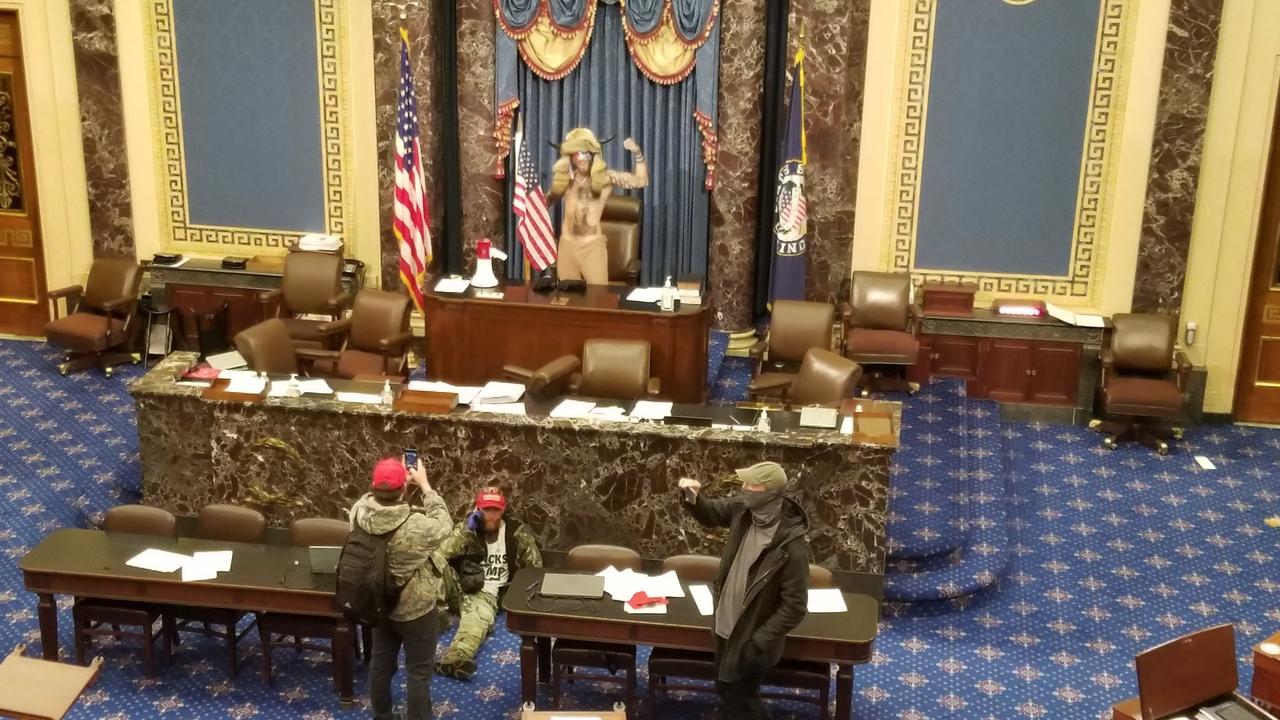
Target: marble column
x=106 y=165
x=421 y=26
x=483 y=213
x=1177 y=147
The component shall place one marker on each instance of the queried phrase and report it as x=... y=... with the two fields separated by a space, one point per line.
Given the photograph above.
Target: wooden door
x=1258 y=382
x=956 y=356
x=1055 y=373
x=1006 y=369
x=24 y=307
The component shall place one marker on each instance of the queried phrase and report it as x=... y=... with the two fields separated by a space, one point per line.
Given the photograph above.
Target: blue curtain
x=610 y=95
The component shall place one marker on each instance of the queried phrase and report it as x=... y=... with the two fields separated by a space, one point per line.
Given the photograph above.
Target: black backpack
x=366 y=593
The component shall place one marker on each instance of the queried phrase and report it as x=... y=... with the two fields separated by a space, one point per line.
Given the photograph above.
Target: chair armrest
x=1183 y=366
x=398 y=340
x=844 y=311
x=64 y=292
x=758 y=349
x=575 y=383
x=340 y=302
x=112 y=305
x=654 y=387
x=517 y=373
x=1106 y=357
x=337 y=327
x=915 y=316
x=769 y=384
x=266 y=299
x=71 y=294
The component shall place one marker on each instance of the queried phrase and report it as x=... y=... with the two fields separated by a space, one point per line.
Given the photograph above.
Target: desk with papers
x=586 y=472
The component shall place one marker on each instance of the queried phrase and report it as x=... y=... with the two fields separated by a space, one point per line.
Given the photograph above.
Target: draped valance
x=668 y=40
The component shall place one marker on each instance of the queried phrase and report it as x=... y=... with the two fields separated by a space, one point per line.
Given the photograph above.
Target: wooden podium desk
x=470 y=338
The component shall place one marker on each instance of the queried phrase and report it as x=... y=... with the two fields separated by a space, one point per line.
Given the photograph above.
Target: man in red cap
x=415 y=621
x=480 y=557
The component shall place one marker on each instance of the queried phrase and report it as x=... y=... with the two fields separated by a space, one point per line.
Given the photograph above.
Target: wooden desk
x=469 y=339
x=263 y=578
x=1266 y=672
x=845 y=640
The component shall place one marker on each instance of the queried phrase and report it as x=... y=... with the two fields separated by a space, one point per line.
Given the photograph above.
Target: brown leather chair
x=549 y=381
x=312 y=285
x=93 y=617
x=1136 y=383
x=668 y=663
x=267 y=347
x=98 y=324
x=231 y=523
x=825 y=378
x=882 y=328
x=620 y=223
x=372 y=340
x=616 y=369
x=567 y=656
x=794 y=327
x=276 y=629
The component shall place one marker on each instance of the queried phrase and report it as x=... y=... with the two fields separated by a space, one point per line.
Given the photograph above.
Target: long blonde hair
x=562 y=174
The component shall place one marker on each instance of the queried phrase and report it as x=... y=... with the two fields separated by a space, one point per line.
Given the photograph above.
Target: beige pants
x=583 y=258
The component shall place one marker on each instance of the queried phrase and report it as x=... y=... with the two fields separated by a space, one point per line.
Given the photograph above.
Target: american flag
x=533 y=223
x=409 y=208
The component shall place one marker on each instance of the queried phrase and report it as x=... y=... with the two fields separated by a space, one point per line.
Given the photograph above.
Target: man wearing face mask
x=763 y=584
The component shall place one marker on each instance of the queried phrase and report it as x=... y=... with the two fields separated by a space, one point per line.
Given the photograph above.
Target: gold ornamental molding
x=1108 y=85
x=178 y=232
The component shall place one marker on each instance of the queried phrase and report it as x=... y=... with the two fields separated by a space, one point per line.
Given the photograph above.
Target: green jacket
x=464 y=544
x=409 y=549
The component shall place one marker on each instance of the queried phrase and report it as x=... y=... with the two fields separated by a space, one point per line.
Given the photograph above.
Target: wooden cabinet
x=954 y=355
x=1055 y=373
x=1006 y=370
x=242 y=307
x=1030 y=371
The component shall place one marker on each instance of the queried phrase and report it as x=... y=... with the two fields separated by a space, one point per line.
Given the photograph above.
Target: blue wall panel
x=1008 y=100
x=251 y=113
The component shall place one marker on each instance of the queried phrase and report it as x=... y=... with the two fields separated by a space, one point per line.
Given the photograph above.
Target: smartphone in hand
x=410 y=458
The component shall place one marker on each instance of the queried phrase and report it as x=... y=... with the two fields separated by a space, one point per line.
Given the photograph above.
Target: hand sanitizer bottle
x=668 y=296
x=387 y=397
x=293 y=389
x=762 y=425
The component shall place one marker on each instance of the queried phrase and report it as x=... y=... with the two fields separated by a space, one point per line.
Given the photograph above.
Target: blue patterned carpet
x=1106 y=553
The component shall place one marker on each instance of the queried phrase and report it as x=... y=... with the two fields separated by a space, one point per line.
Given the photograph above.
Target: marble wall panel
x=1177 y=148
x=483 y=214
x=93 y=29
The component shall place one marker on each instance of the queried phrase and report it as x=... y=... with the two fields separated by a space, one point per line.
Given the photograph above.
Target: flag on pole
x=791 y=223
x=409 y=207
x=529 y=205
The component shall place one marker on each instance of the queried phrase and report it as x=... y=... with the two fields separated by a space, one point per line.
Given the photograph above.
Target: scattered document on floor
x=314 y=386
x=702 y=598
x=158 y=560
x=570 y=408
x=219 y=560
x=511 y=408
x=466 y=393
x=826 y=600
x=355 y=397
x=651 y=410
x=226 y=361
x=247 y=385
x=456 y=285
x=500 y=392
x=1205 y=463
x=818 y=417
x=645 y=295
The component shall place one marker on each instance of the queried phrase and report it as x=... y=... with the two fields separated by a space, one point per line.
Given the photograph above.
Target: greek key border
x=1105 y=112
x=178 y=232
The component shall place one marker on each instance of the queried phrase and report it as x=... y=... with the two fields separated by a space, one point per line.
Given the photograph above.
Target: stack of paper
x=514 y=408
x=157 y=560
x=454 y=285
x=609 y=413
x=247 y=385
x=355 y=397
x=315 y=386
x=198 y=566
x=569 y=408
x=624 y=584
x=826 y=600
x=818 y=417
x=466 y=393
x=499 y=392
x=226 y=360
x=645 y=295
x=651 y=410
x=317 y=242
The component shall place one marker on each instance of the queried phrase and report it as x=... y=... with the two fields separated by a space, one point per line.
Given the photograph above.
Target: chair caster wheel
x=64 y=368
x=1162 y=448
x=913 y=387
x=1177 y=433
x=1109 y=443
x=108 y=371
x=1094 y=423
x=865 y=393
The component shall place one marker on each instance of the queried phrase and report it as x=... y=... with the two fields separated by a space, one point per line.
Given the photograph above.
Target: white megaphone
x=484 y=277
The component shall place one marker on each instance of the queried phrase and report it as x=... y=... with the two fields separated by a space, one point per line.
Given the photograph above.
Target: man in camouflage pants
x=479 y=559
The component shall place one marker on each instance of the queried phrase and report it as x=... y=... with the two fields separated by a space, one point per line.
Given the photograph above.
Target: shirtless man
x=585 y=182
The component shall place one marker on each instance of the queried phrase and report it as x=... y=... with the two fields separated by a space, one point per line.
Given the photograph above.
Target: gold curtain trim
x=663 y=58
x=502 y=134
x=552 y=53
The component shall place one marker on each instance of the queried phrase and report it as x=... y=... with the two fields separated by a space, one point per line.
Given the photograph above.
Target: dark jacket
x=465 y=548
x=777 y=589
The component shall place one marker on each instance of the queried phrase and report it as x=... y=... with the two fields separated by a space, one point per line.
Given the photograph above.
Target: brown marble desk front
x=572 y=481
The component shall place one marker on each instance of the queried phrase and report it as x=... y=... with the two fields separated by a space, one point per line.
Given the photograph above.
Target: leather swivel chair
x=620 y=223
x=547 y=382
x=230 y=523
x=276 y=629
x=372 y=340
x=567 y=656
x=825 y=378
x=95 y=617
x=1136 y=386
x=312 y=285
x=794 y=327
x=882 y=328
x=666 y=664
x=98 y=324
x=267 y=347
x=615 y=369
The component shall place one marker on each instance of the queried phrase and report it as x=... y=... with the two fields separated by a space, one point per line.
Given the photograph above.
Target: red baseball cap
x=388 y=474
x=491 y=497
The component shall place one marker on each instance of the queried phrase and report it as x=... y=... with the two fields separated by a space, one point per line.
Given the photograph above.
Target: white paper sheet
x=315 y=386
x=499 y=408
x=1090 y=320
x=226 y=360
x=279 y=388
x=649 y=610
x=466 y=393
x=651 y=410
x=247 y=385
x=569 y=408
x=158 y=560
x=219 y=560
x=234 y=374
x=194 y=383
x=645 y=295
x=846 y=425
x=826 y=600
x=500 y=392
x=665 y=585
x=739 y=428
x=355 y=397
x=702 y=598
x=1205 y=463
x=452 y=285
x=196 y=572
x=622 y=585
x=818 y=417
